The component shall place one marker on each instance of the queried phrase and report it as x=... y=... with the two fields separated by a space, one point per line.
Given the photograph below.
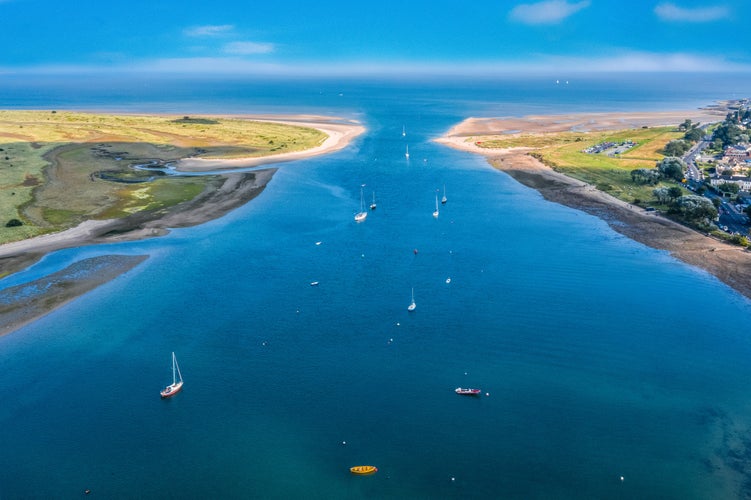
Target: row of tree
x=670 y=167
x=696 y=210
x=732 y=131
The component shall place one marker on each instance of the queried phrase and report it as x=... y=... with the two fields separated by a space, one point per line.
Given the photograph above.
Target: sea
x=607 y=369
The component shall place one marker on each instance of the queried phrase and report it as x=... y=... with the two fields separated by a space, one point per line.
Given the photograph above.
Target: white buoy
x=398 y=324
x=344 y=442
x=487 y=394
x=622 y=478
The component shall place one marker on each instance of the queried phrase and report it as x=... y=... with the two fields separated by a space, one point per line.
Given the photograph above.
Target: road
x=731 y=219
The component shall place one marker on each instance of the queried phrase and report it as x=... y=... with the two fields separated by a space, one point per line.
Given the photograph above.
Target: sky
x=338 y=37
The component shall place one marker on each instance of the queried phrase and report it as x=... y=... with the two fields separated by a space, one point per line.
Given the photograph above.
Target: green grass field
x=564 y=152
x=50 y=162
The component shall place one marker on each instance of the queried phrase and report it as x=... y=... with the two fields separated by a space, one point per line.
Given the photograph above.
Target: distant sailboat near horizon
x=362 y=214
x=406 y=154
x=412 y=306
x=177 y=381
x=435 y=213
x=444 y=199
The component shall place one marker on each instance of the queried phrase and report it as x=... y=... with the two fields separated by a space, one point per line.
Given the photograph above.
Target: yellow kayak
x=363 y=469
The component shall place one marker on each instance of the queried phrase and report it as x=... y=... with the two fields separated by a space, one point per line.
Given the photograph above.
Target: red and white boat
x=467 y=391
x=177 y=381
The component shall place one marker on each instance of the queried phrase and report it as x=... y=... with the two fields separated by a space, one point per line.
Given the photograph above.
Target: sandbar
x=339 y=136
x=728 y=263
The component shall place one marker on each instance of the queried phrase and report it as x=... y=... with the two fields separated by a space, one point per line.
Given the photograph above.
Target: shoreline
x=728 y=263
x=339 y=136
x=224 y=194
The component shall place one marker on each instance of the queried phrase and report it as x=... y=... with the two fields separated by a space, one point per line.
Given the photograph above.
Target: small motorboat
x=362 y=470
x=313 y=283
x=467 y=392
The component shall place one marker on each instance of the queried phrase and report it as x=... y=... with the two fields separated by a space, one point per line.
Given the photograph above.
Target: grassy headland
x=564 y=152
x=58 y=169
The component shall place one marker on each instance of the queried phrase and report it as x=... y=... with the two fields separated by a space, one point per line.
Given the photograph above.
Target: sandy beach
x=225 y=193
x=339 y=135
x=730 y=264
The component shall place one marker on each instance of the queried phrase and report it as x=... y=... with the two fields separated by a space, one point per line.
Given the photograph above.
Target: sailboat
x=177 y=380
x=406 y=154
x=373 y=205
x=412 y=306
x=362 y=214
x=444 y=199
x=435 y=214
x=404 y=131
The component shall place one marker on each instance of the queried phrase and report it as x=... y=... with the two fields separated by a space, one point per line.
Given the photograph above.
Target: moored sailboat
x=177 y=380
x=412 y=306
x=444 y=199
x=435 y=213
x=406 y=154
x=362 y=214
x=373 y=205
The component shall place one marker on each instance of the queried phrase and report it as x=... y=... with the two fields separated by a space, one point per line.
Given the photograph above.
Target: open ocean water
x=607 y=369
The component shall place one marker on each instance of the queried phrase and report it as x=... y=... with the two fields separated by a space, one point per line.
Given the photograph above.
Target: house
x=744 y=183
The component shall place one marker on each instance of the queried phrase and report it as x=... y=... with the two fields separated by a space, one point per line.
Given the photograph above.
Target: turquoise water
x=598 y=358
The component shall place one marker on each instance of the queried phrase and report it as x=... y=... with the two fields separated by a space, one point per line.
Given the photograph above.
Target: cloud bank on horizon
x=388 y=38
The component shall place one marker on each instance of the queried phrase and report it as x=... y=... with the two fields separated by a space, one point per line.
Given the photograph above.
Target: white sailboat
x=404 y=131
x=406 y=154
x=362 y=214
x=435 y=214
x=373 y=205
x=444 y=199
x=412 y=306
x=177 y=380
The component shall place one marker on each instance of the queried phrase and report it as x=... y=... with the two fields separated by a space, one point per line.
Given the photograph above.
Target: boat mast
x=176 y=366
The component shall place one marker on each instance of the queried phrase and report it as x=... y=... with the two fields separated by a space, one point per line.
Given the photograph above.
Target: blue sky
x=337 y=37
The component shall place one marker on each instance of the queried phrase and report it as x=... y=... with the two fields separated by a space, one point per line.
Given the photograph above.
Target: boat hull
x=171 y=390
x=467 y=392
x=363 y=470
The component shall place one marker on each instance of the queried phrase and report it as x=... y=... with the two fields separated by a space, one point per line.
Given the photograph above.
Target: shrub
x=13 y=223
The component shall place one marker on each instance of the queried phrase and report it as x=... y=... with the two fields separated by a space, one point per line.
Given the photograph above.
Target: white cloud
x=543 y=65
x=547 y=12
x=672 y=12
x=633 y=62
x=248 y=48
x=208 y=30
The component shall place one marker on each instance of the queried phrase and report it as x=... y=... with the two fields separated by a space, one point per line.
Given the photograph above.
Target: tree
x=686 y=125
x=727 y=133
x=645 y=176
x=661 y=194
x=671 y=168
x=693 y=135
x=675 y=192
x=696 y=208
x=728 y=187
x=676 y=147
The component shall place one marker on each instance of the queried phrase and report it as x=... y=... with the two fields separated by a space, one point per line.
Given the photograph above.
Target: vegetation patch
x=60 y=168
